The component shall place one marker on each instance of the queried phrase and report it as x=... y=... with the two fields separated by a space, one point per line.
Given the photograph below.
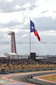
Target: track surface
x=24 y=78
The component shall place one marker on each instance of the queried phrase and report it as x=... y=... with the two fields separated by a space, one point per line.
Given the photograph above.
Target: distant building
x=12 y=55
x=3 y=56
x=16 y=56
x=23 y=56
x=49 y=58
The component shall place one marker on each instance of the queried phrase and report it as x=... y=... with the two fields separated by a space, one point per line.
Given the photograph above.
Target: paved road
x=25 y=78
x=39 y=82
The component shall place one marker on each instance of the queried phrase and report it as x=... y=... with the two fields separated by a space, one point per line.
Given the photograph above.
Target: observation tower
x=13 y=42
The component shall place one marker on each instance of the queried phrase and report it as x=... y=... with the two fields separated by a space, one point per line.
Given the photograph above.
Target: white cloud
x=43 y=5
x=36 y=12
x=26 y=21
x=4 y=30
x=7 y=17
x=49 y=32
x=16 y=7
x=9 y=0
x=23 y=36
x=27 y=5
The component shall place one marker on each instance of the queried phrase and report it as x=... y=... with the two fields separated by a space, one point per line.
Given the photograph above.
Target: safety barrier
x=26 y=68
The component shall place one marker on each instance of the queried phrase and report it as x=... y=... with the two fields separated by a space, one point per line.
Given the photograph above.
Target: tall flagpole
x=30 y=37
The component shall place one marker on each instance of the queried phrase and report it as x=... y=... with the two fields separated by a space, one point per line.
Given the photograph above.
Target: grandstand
x=9 y=65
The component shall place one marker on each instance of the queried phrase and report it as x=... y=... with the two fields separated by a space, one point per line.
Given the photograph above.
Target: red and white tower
x=13 y=42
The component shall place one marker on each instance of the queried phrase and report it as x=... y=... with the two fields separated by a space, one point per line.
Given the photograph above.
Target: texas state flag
x=32 y=29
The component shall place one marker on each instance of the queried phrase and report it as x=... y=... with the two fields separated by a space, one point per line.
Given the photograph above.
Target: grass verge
x=50 y=77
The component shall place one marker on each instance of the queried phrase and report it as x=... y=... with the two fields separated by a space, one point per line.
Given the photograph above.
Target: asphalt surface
x=24 y=78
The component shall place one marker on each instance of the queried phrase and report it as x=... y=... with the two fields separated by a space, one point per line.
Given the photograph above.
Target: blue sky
x=14 y=16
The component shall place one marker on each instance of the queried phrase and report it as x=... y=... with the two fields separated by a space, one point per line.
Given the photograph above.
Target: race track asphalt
x=24 y=78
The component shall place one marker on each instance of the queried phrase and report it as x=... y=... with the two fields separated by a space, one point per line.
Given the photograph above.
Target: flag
x=32 y=29
x=36 y=34
x=32 y=26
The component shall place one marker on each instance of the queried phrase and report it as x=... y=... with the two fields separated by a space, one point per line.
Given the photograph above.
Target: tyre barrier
x=6 y=72
x=2 y=71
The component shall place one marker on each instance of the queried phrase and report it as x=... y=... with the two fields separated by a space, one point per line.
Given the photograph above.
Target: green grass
x=50 y=77
x=2 y=81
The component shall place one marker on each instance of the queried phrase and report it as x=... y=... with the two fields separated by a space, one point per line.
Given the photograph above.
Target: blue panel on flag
x=32 y=26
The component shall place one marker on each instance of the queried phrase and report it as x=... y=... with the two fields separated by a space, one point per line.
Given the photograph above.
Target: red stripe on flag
x=37 y=35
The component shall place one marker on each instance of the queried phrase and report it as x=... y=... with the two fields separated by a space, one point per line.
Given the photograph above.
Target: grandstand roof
x=10 y=54
x=40 y=57
x=1 y=55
